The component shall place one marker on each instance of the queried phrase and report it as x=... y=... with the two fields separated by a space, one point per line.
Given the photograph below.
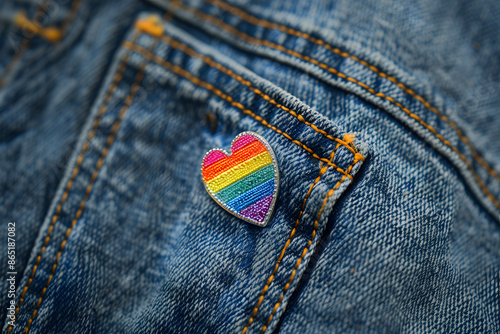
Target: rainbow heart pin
x=245 y=182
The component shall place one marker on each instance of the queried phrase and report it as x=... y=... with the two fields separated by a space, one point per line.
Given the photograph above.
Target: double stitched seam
x=306 y=248
x=109 y=141
x=102 y=110
x=195 y=80
x=180 y=46
x=99 y=164
x=239 y=34
x=219 y=93
x=184 y=48
x=272 y=25
x=116 y=80
x=93 y=178
x=26 y=43
x=282 y=254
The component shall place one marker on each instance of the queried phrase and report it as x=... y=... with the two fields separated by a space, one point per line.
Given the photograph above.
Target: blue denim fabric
x=387 y=219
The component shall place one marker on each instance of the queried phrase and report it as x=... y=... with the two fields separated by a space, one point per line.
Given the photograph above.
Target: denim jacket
x=383 y=117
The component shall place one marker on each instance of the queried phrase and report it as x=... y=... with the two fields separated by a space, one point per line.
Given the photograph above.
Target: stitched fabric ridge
x=241 y=186
x=180 y=46
x=306 y=248
x=102 y=110
x=282 y=254
x=193 y=53
x=250 y=39
x=272 y=25
x=180 y=71
x=109 y=142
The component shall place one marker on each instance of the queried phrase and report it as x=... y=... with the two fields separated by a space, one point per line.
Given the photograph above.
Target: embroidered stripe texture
x=252 y=196
x=242 y=186
x=244 y=181
x=239 y=156
x=238 y=172
x=250 y=39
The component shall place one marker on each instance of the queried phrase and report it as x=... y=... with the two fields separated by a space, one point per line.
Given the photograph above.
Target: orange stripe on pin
x=250 y=153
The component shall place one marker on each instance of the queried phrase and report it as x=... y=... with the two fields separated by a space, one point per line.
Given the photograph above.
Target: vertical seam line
x=262 y=294
x=109 y=142
x=306 y=248
x=102 y=110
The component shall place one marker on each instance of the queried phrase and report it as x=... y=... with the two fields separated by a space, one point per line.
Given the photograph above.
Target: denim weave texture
x=383 y=118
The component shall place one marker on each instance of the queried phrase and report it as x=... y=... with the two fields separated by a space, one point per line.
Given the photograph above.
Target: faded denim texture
x=384 y=119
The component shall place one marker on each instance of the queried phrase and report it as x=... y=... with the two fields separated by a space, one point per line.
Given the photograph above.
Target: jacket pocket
x=159 y=254
x=224 y=273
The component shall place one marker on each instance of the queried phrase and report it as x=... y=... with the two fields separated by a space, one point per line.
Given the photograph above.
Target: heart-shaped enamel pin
x=245 y=182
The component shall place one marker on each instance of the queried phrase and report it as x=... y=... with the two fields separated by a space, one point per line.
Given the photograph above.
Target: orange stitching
x=25 y=44
x=70 y=17
x=253 y=40
x=50 y=34
x=27 y=41
x=306 y=249
x=272 y=25
x=182 y=72
x=104 y=153
x=219 y=93
x=102 y=110
x=109 y=142
x=282 y=254
x=180 y=46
